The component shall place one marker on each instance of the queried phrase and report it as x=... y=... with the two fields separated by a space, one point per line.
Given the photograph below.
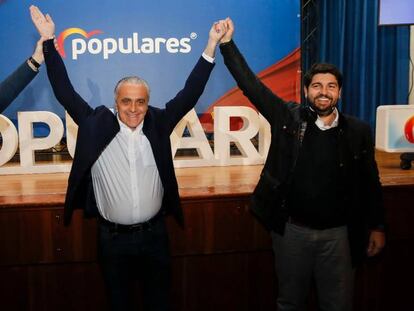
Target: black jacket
x=97 y=127
x=288 y=123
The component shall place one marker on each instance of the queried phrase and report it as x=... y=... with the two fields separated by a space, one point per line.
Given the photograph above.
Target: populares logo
x=70 y=31
x=129 y=45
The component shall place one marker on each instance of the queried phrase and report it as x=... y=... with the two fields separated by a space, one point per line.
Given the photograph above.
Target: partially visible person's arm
x=56 y=71
x=11 y=87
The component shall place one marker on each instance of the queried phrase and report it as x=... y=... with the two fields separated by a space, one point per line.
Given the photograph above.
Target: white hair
x=133 y=80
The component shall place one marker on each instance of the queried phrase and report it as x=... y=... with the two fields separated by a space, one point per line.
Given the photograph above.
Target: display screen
x=396 y=12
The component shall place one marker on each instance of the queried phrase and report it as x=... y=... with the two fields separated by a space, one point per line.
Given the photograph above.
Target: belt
x=119 y=228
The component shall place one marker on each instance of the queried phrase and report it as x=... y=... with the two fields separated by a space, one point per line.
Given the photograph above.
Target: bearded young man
x=319 y=192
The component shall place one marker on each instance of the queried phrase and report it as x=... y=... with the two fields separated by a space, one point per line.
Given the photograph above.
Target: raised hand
x=217 y=31
x=44 y=24
x=230 y=31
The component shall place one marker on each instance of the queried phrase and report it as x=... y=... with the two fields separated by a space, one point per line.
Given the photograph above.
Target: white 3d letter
x=197 y=140
x=28 y=144
x=223 y=136
x=10 y=140
x=71 y=134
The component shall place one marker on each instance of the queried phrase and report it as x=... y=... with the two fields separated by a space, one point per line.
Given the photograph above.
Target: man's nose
x=324 y=90
x=134 y=107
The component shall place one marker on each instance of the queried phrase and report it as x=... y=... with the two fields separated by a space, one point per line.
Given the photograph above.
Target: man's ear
x=305 y=90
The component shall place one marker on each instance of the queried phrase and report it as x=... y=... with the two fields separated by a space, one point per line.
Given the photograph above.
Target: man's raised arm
x=56 y=71
x=11 y=87
x=186 y=99
x=254 y=89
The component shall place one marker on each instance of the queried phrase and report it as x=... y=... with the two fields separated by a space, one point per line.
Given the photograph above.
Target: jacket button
x=341 y=164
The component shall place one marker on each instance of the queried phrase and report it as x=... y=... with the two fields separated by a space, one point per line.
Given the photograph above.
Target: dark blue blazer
x=11 y=87
x=97 y=127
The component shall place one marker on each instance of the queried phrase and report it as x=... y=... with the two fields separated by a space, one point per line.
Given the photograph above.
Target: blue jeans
x=143 y=255
x=303 y=254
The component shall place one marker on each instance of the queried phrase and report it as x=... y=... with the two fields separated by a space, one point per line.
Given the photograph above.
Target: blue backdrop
x=266 y=30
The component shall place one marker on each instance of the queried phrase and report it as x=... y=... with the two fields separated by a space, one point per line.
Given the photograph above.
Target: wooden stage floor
x=50 y=189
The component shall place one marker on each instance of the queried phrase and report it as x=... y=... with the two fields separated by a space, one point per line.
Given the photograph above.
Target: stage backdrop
x=104 y=41
x=160 y=41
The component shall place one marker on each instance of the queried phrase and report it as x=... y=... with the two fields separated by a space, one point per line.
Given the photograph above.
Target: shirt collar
x=126 y=129
x=319 y=123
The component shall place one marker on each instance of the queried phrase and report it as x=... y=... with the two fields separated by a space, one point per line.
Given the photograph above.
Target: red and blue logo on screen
x=409 y=129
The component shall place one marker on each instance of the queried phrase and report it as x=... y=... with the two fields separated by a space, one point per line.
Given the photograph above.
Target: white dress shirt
x=126 y=181
x=322 y=126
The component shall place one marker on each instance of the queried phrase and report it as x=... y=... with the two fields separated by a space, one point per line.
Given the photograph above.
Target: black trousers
x=126 y=256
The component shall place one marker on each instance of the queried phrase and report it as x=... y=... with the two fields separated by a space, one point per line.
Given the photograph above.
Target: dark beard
x=321 y=112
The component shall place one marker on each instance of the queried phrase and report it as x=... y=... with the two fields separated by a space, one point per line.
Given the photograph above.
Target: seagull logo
x=71 y=31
